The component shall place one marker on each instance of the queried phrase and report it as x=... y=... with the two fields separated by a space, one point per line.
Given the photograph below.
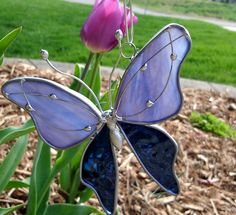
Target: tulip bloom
x=98 y=32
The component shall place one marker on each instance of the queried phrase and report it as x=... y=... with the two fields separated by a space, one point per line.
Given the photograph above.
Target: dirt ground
x=205 y=165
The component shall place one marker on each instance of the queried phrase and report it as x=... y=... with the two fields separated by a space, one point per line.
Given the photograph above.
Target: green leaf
x=43 y=172
x=104 y=101
x=11 y=133
x=75 y=162
x=61 y=209
x=12 y=160
x=74 y=174
x=44 y=203
x=18 y=184
x=77 y=72
x=60 y=163
x=65 y=178
x=40 y=174
x=117 y=211
x=93 y=79
x=6 y=41
x=4 y=211
x=32 y=202
x=74 y=186
x=96 y=84
x=85 y=195
x=1 y=59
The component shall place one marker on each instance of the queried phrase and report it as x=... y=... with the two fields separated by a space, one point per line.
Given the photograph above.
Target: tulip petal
x=122 y=26
x=97 y=2
x=98 y=32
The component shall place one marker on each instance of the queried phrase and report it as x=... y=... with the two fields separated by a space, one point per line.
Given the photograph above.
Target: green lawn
x=193 y=7
x=55 y=26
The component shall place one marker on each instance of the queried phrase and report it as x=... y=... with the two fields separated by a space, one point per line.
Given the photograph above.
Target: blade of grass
x=75 y=167
x=74 y=186
x=12 y=160
x=6 y=41
x=65 y=178
x=93 y=79
x=11 y=133
x=75 y=162
x=77 y=72
x=40 y=173
x=60 y=163
x=85 y=195
x=43 y=172
x=104 y=101
x=32 y=202
x=4 y=211
x=72 y=209
x=1 y=59
x=18 y=184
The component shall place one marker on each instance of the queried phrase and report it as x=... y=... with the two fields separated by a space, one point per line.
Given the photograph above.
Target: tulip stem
x=95 y=68
x=86 y=69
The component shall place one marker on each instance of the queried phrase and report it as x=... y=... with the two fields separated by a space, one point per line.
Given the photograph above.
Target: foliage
x=12 y=159
x=66 y=165
x=11 y=133
x=7 y=40
x=71 y=209
x=8 y=166
x=212 y=57
x=5 y=211
x=210 y=123
x=194 y=7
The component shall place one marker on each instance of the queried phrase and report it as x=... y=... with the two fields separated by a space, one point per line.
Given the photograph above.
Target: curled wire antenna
x=45 y=56
x=129 y=41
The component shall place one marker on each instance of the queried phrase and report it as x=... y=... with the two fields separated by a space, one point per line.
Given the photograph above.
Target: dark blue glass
x=156 y=151
x=99 y=170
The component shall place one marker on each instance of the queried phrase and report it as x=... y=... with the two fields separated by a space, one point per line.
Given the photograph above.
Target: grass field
x=55 y=26
x=193 y=7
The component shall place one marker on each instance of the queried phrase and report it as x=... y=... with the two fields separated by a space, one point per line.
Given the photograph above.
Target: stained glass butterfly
x=149 y=93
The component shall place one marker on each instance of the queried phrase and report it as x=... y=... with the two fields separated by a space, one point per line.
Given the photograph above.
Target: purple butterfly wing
x=63 y=118
x=149 y=91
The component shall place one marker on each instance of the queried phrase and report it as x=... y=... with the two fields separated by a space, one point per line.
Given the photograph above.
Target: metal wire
x=113 y=70
x=44 y=54
x=129 y=34
x=129 y=38
x=131 y=22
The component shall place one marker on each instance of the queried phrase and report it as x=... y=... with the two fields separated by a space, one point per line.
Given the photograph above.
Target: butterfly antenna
x=45 y=55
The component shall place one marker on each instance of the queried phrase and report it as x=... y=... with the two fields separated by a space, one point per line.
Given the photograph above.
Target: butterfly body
x=149 y=93
x=115 y=133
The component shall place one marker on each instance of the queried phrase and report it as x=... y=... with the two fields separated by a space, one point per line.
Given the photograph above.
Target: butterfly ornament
x=149 y=93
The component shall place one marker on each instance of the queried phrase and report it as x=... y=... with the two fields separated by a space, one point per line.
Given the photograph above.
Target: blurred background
x=55 y=25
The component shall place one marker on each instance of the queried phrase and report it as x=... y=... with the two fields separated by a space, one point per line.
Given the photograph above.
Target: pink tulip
x=98 y=32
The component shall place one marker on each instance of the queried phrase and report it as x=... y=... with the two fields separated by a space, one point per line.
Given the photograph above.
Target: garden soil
x=205 y=165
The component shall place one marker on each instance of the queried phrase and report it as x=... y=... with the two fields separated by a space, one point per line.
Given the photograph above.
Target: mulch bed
x=205 y=165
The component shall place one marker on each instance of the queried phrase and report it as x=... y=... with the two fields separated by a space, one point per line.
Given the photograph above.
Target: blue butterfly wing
x=63 y=118
x=99 y=170
x=149 y=91
x=156 y=151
